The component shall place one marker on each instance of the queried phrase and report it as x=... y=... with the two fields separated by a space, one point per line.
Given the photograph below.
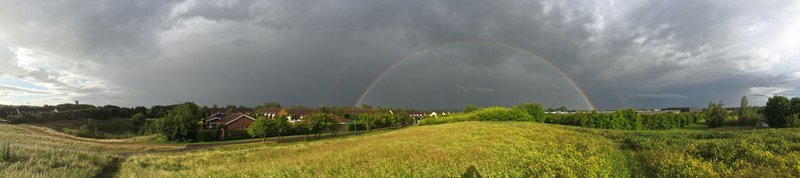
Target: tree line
x=782 y=112
x=627 y=119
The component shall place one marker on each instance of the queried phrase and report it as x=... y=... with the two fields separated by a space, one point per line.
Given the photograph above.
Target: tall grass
x=507 y=149
x=27 y=151
x=24 y=154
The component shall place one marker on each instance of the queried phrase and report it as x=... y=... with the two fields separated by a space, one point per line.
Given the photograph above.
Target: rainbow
x=531 y=55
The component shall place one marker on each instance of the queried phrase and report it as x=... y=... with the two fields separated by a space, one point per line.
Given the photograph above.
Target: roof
x=234 y=117
x=269 y=110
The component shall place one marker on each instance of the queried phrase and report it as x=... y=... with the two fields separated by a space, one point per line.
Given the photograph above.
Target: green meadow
x=495 y=149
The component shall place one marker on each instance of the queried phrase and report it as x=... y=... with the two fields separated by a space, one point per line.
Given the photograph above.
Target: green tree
x=747 y=115
x=776 y=111
x=368 y=120
x=180 y=123
x=533 y=109
x=315 y=124
x=138 y=119
x=793 y=120
x=795 y=105
x=715 y=114
x=262 y=127
x=332 y=124
x=470 y=108
x=282 y=125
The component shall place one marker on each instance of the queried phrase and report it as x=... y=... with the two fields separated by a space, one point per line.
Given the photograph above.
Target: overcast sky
x=415 y=53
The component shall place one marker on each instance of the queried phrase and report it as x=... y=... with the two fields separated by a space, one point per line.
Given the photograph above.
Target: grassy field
x=30 y=151
x=496 y=149
x=112 y=127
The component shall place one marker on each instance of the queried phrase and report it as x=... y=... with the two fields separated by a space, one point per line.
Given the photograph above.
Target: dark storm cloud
x=623 y=54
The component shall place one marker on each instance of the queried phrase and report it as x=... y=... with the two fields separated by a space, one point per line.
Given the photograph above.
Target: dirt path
x=201 y=146
x=169 y=148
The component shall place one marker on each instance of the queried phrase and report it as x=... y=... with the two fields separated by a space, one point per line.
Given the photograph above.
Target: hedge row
x=486 y=114
x=627 y=119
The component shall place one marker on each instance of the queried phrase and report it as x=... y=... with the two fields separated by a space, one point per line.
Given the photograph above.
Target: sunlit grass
x=496 y=149
x=42 y=152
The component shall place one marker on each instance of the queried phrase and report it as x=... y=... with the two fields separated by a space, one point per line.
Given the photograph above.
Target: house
x=211 y=121
x=416 y=114
x=272 y=112
x=236 y=121
x=297 y=115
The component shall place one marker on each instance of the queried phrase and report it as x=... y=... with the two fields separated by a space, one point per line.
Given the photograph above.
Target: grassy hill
x=517 y=149
x=110 y=128
x=495 y=149
x=31 y=151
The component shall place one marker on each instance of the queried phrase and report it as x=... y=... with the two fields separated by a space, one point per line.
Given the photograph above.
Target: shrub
x=138 y=119
x=715 y=114
x=207 y=135
x=793 y=120
x=486 y=114
x=533 y=109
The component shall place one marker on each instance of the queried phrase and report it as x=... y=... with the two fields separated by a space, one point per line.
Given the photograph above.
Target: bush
x=236 y=134
x=793 y=120
x=486 y=114
x=626 y=119
x=715 y=114
x=138 y=119
x=207 y=135
x=533 y=109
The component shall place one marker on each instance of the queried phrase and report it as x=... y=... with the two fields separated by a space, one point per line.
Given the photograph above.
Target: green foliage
x=747 y=115
x=207 y=135
x=795 y=105
x=533 y=109
x=776 y=111
x=470 y=108
x=368 y=121
x=485 y=114
x=793 y=120
x=715 y=114
x=626 y=119
x=88 y=130
x=138 y=119
x=79 y=113
x=180 y=124
x=262 y=127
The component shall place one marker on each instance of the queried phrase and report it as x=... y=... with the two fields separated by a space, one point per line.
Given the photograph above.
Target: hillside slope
x=31 y=151
x=514 y=149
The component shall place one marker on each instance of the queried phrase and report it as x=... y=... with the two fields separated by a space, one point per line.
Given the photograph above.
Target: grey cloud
x=312 y=53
